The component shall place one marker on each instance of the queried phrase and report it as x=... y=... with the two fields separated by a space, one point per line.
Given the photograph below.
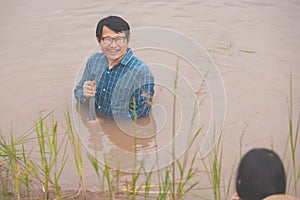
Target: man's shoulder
x=96 y=57
x=136 y=63
x=138 y=66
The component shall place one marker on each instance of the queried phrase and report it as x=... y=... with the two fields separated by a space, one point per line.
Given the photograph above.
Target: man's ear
x=98 y=39
x=128 y=39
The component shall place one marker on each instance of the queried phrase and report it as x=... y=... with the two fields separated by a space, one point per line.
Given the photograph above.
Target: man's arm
x=79 y=90
x=142 y=97
x=86 y=87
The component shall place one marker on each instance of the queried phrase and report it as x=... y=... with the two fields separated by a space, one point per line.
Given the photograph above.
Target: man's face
x=113 y=45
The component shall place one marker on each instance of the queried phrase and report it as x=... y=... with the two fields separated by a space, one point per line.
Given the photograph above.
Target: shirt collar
x=128 y=56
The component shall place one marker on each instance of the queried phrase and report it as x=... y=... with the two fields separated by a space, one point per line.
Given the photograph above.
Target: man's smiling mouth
x=113 y=51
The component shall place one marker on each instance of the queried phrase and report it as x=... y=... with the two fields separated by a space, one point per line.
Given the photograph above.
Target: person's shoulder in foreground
x=281 y=197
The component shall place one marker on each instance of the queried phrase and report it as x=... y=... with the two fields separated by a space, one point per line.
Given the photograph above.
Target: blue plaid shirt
x=125 y=89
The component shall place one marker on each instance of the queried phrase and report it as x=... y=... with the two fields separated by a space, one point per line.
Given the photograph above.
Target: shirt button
x=99 y=107
x=103 y=89
x=108 y=72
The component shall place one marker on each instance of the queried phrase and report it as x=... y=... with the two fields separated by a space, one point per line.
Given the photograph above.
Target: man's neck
x=112 y=63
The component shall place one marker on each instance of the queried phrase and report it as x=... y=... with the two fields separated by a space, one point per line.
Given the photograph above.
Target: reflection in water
x=108 y=137
x=148 y=143
x=124 y=140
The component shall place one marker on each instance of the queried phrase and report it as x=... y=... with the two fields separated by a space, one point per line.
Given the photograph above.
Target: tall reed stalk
x=174 y=133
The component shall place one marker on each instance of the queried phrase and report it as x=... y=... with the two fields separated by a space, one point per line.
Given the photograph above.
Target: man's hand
x=89 y=89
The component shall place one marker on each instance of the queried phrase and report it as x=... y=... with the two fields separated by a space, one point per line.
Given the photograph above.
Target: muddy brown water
x=255 y=46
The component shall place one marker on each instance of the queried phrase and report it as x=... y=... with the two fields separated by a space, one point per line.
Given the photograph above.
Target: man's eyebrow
x=114 y=37
x=114 y=34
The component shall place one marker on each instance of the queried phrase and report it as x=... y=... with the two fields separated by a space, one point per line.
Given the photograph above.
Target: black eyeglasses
x=120 y=40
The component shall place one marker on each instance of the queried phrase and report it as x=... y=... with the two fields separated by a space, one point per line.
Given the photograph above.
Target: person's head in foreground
x=260 y=174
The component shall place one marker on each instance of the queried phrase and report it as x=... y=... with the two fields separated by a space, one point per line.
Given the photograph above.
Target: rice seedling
x=49 y=149
x=133 y=189
x=107 y=175
x=5 y=191
x=214 y=172
x=216 y=175
x=147 y=185
x=26 y=179
x=165 y=190
x=94 y=161
x=293 y=140
x=77 y=150
x=187 y=173
x=12 y=157
x=227 y=186
x=59 y=169
x=185 y=179
x=117 y=176
x=42 y=136
x=15 y=163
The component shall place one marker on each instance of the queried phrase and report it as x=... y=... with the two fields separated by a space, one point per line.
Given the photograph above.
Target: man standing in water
x=123 y=86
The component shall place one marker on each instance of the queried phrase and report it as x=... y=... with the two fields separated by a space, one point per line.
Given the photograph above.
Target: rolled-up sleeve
x=78 y=91
x=143 y=95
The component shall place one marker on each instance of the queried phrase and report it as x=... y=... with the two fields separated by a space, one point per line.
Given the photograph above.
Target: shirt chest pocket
x=121 y=94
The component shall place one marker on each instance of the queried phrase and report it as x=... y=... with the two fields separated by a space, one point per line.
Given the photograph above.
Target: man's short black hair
x=115 y=23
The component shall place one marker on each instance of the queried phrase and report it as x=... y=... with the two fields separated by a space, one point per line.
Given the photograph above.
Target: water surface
x=255 y=46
